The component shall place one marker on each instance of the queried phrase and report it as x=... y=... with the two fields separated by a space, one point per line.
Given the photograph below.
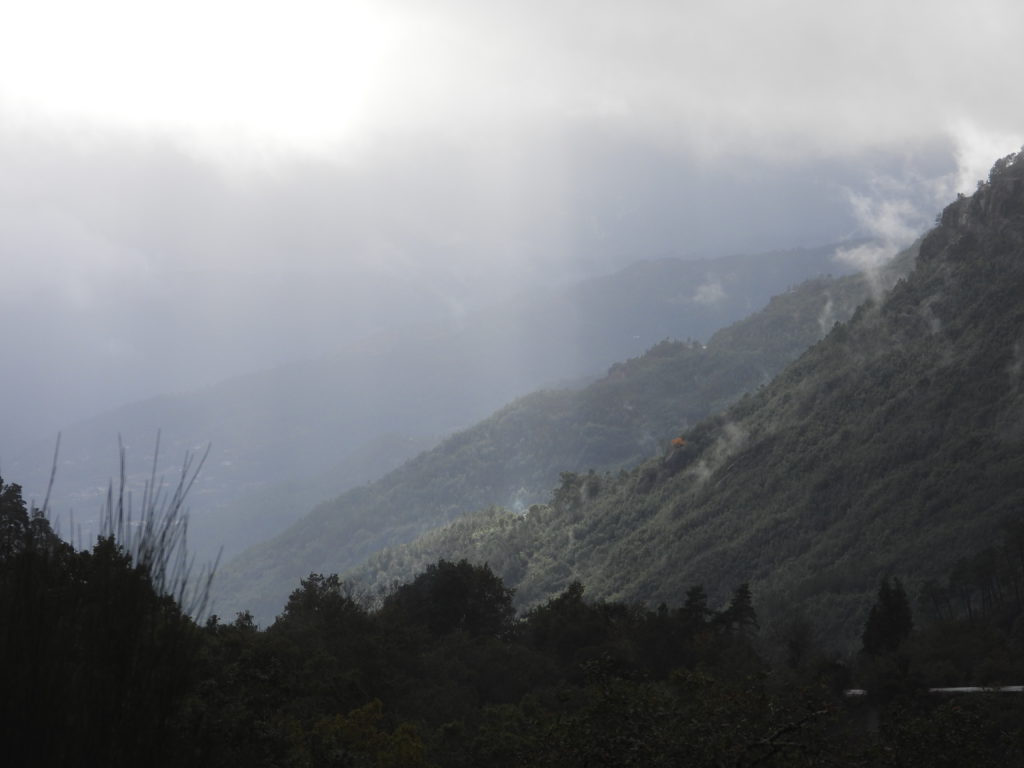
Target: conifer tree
x=890 y=621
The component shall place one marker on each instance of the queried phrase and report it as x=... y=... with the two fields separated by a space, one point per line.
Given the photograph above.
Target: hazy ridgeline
x=515 y=457
x=289 y=437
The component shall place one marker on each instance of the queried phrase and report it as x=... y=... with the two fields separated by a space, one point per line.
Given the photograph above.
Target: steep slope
x=893 y=446
x=515 y=456
x=306 y=426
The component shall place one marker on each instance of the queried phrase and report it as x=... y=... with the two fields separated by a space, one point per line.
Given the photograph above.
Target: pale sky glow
x=301 y=73
x=167 y=161
x=713 y=77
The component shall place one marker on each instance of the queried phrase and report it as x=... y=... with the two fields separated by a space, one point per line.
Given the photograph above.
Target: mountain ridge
x=893 y=446
x=514 y=457
x=315 y=419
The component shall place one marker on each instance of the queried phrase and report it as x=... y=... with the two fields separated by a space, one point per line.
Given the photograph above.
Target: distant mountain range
x=514 y=457
x=287 y=438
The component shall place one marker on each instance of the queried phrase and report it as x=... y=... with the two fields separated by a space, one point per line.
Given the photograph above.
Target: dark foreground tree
x=96 y=653
x=453 y=596
x=890 y=621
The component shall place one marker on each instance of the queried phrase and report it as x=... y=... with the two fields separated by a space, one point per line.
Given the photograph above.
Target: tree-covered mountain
x=894 y=446
x=514 y=457
x=287 y=438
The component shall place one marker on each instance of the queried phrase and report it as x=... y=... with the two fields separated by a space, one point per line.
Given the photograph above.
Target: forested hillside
x=514 y=457
x=893 y=446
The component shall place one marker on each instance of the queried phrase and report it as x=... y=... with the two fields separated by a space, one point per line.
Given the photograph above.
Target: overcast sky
x=191 y=189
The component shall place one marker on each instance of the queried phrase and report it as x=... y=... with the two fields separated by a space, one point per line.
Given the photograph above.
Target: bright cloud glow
x=301 y=73
x=795 y=76
x=977 y=149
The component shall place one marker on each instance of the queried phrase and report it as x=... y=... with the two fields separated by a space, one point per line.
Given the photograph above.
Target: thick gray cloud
x=742 y=76
x=190 y=190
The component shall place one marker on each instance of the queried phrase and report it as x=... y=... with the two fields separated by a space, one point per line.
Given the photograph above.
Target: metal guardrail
x=852 y=693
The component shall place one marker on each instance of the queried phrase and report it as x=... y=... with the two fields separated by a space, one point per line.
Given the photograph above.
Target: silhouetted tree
x=695 y=611
x=740 y=616
x=453 y=596
x=890 y=621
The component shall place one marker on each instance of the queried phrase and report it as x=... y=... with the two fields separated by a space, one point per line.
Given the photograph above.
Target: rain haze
x=193 y=191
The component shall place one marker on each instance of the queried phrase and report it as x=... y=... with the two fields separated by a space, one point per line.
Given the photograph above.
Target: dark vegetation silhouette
x=889 y=622
x=101 y=668
x=102 y=665
x=97 y=647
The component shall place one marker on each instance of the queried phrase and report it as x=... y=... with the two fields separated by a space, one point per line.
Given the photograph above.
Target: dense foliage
x=95 y=659
x=101 y=668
